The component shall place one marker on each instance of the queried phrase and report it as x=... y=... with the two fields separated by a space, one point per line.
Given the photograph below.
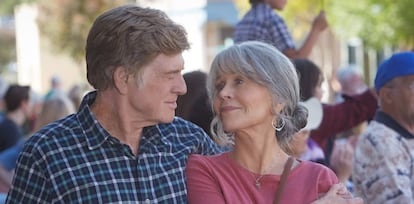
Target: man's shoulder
x=6 y=123
x=378 y=130
x=181 y=132
x=179 y=125
x=377 y=142
x=68 y=122
x=55 y=132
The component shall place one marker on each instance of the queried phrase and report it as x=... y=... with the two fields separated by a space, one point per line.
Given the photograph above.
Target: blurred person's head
x=274 y=100
x=55 y=82
x=394 y=83
x=351 y=79
x=196 y=85
x=53 y=109
x=75 y=94
x=17 y=97
x=194 y=106
x=275 y=4
x=18 y=104
x=310 y=79
x=130 y=37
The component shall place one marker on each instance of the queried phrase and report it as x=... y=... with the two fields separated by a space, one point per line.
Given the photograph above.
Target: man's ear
x=385 y=94
x=120 y=77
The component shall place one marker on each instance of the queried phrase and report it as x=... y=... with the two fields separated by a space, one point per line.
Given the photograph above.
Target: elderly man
x=383 y=161
x=124 y=144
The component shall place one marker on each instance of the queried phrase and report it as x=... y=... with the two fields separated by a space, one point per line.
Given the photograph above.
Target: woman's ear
x=279 y=107
x=120 y=77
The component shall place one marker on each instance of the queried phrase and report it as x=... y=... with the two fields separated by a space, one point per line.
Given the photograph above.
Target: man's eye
x=411 y=85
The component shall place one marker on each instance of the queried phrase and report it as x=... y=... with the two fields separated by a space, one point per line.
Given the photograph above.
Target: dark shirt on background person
x=10 y=133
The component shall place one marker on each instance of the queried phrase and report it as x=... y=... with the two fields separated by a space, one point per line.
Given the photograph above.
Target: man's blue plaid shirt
x=74 y=160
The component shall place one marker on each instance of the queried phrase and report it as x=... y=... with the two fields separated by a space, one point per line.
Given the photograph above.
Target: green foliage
x=7 y=6
x=376 y=22
x=299 y=15
x=8 y=49
x=242 y=6
x=66 y=23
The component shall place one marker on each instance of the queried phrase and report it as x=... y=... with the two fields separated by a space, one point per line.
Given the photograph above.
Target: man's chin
x=167 y=119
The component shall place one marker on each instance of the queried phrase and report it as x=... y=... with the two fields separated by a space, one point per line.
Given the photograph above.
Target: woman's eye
x=219 y=86
x=239 y=81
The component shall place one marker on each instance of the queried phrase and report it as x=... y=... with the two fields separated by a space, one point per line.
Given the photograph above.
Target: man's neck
x=17 y=117
x=117 y=121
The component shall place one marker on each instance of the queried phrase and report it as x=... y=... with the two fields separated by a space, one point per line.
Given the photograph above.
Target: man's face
x=401 y=98
x=154 y=91
x=277 y=4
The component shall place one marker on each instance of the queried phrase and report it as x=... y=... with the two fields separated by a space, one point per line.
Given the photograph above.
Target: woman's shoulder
x=207 y=159
x=313 y=168
x=311 y=175
x=208 y=162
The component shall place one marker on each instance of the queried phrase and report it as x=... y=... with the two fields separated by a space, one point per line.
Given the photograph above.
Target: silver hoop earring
x=275 y=125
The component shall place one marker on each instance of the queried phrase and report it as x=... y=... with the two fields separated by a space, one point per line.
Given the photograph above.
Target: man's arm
x=30 y=184
x=319 y=24
x=343 y=116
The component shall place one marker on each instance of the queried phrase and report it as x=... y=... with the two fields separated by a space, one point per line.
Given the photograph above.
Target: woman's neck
x=262 y=156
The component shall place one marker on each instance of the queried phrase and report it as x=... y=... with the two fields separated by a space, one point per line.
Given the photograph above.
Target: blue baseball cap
x=399 y=64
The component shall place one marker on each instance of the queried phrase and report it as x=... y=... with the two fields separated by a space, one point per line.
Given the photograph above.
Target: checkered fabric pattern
x=75 y=160
x=383 y=170
x=261 y=23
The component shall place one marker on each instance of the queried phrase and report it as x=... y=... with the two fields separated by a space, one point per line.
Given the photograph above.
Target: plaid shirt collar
x=94 y=133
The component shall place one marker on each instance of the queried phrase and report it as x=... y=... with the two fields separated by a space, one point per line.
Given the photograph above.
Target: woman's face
x=241 y=103
x=319 y=91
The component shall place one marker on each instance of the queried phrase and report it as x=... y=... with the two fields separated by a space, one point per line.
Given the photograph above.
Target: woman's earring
x=276 y=126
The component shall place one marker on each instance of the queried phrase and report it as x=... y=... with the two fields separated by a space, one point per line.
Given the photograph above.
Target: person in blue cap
x=383 y=169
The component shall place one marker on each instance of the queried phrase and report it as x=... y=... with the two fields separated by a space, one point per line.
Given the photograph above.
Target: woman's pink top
x=219 y=179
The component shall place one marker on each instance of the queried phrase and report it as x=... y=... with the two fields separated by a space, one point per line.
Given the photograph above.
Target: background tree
x=377 y=22
x=8 y=49
x=7 y=6
x=7 y=36
x=66 y=23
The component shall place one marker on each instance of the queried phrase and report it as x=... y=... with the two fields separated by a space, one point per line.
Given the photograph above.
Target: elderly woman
x=255 y=93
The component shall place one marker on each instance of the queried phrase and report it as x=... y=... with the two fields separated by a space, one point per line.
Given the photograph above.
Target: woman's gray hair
x=265 y=65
